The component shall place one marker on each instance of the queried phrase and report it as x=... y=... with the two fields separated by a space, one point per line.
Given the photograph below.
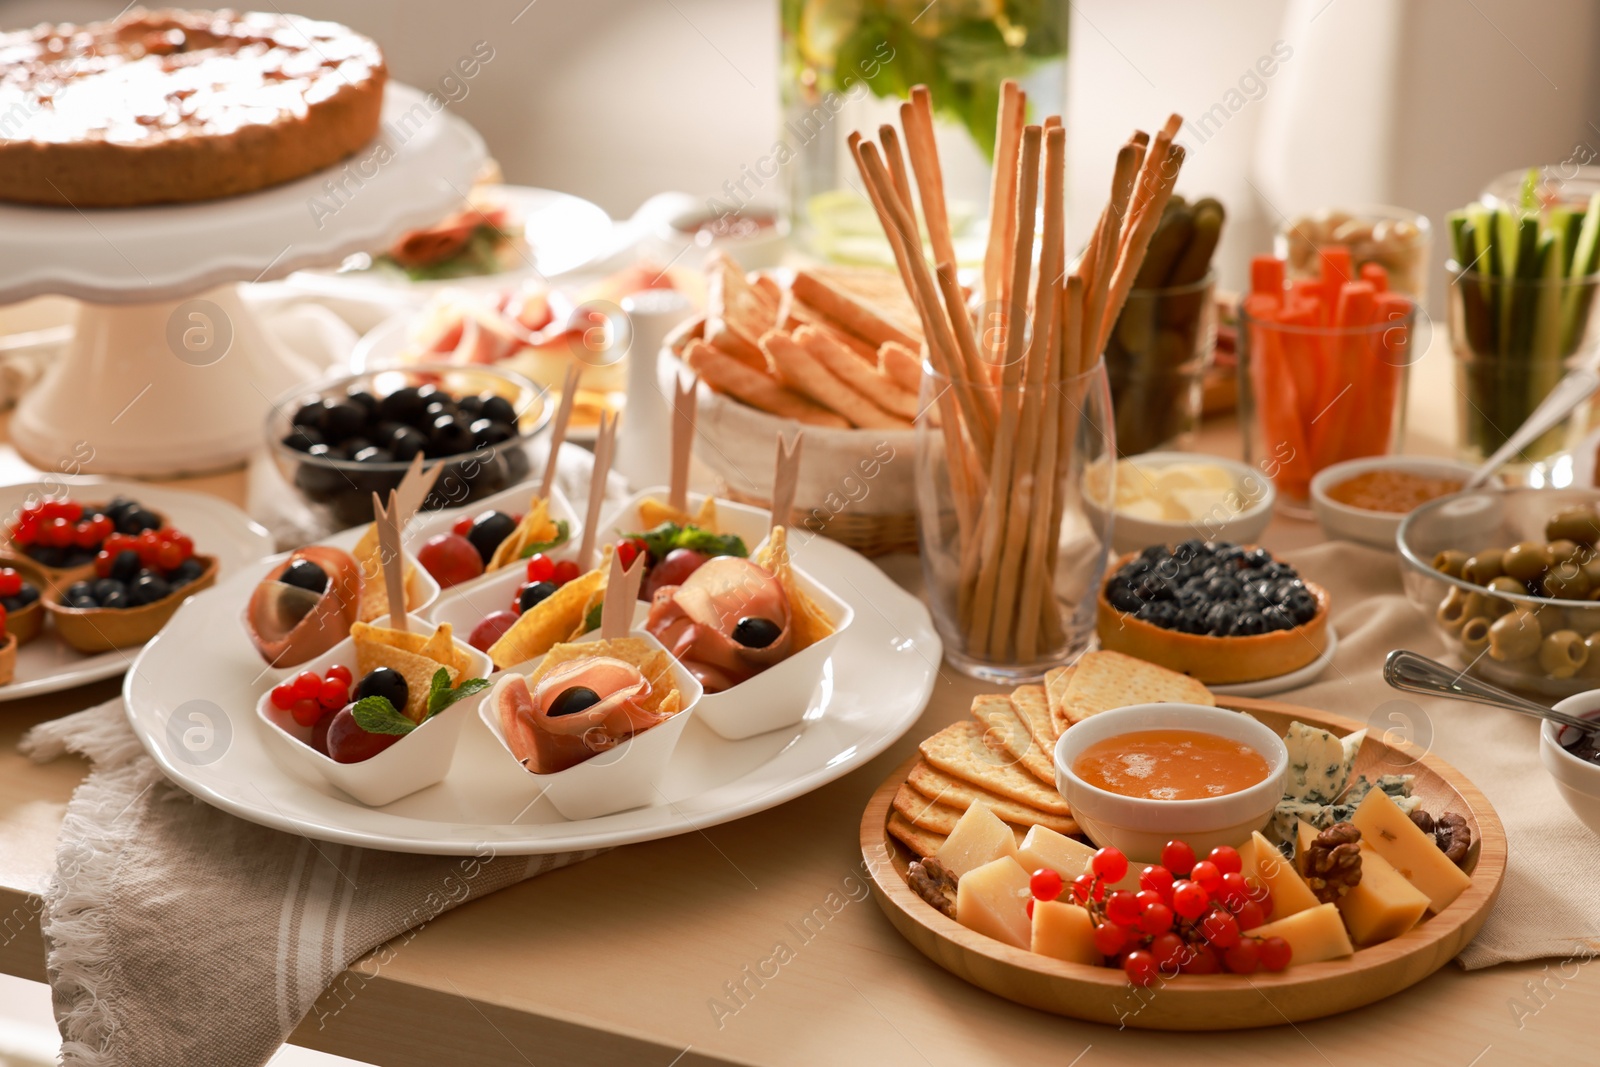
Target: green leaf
x=591 y=621
x=562 y=533
x=441 y=696
x=376 y=715
x=669 y=535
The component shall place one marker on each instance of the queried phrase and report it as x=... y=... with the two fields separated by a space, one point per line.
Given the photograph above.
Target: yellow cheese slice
x=1063 y=931
x=1383 y=904
x=1314 y=935
x=978 y=838
x=1304 y=834
x=1262 y=861
x=993 y=900
x=1416 y=855
x=1043 y=847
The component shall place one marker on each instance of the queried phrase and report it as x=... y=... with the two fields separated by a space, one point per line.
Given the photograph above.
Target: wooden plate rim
x=1469 y=909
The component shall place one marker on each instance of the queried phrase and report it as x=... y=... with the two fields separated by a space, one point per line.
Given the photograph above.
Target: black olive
x=303 y=574
x=488 y=530
x=402 y=405
x=385 y=682
x=343 y=420
x=756 y=632
x=571 y=701
x=534 y=593
x=499 y=409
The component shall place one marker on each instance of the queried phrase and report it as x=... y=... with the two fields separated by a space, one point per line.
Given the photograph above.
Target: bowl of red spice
x=1363 y=500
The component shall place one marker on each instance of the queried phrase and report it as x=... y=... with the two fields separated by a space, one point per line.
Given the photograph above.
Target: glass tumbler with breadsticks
x=1322 y=369
x=1010 y=416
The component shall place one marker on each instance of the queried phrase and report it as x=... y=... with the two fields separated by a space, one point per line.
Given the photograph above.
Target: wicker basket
x=856 y=486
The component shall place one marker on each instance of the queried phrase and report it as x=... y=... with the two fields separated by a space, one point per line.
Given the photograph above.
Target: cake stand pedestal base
x=163 y=389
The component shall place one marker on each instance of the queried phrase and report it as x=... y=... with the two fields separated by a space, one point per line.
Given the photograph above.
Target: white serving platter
x=191 y=700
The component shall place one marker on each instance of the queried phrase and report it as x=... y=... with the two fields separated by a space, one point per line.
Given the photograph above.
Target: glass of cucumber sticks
x=1157 y=358
x=1522 y=289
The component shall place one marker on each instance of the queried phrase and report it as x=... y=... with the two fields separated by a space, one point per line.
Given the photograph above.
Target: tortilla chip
x=416 y=655
x=536 y=528
x=653 y=663
x=551 y=620
x=368 y=555
x=653 y=513
x=809 y=622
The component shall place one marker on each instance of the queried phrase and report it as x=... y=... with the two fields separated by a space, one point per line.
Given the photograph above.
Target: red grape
x=319 y=732
x=1242 y=958
x=1205 y=872
x=1140 y=967
x=451 y=559
x=1045 y=884
x=1178 y=858
x=1155 y=919
x=1122 y=907
x=349 y=743
x=491 y=629
x=1220 y=928
x=1110 y=938
x=1109 y=863
x=674 y=570
x=1157 y=880
x=1190 y=899
x=1274 y=953
x=1226 y=858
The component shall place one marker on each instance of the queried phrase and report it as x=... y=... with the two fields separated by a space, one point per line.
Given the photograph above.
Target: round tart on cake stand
x=168 y=371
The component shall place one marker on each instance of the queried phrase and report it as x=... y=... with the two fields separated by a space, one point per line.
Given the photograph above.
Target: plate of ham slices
x=193 y=694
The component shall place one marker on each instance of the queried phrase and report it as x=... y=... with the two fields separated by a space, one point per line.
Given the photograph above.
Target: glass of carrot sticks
x=1522 y=286
x=1011 y=415
x=1322 y=368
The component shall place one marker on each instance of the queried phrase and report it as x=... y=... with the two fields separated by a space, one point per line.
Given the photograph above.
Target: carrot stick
x=1266 y=276
x=1331 y=430
x=1277 y=404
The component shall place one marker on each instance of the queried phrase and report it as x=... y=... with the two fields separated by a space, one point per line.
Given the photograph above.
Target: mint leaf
x=441 y=696
x=376 y=715
x=562 y=533
x=592 y=620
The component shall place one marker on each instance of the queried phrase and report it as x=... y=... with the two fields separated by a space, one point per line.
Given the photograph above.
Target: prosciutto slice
x=546 y=743
x=697 y=620
x=290 y=625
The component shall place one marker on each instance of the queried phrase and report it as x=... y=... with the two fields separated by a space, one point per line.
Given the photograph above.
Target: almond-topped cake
x=171 y=106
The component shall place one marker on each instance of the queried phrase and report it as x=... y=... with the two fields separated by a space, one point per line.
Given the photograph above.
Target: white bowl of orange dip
x=1140 y=776
x=1364 y=500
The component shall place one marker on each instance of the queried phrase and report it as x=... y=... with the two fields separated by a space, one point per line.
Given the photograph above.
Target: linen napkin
x=180 y=934
x=1547 y=905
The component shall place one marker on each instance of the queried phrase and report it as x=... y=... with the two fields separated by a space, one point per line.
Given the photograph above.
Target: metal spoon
x=1577 y=386
x=1413 y=672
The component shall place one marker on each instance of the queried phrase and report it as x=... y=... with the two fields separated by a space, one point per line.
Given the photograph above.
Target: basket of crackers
x=835 y=350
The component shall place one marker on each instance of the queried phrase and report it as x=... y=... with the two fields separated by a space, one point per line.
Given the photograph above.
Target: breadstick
x=756 y=388
x=802 y=372
x=902 y=364
x=872 y=384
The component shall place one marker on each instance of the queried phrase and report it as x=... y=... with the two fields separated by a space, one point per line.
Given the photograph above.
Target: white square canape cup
x=627 y=776
x=416 y=761
x=514 y=501
x=781 y=695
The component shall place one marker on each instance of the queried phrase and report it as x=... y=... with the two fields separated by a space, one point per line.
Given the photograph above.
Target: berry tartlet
x=1220 y=612
x=62 y=539
x=135 y=585
x=24 y=607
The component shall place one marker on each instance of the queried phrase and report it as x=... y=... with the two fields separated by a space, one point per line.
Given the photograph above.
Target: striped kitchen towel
x=178 y=933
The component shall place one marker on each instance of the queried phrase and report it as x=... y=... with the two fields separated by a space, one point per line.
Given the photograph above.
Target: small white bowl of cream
x=1162 y=498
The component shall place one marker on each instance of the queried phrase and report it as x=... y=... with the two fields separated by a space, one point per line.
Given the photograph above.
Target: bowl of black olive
x=1511 y=579
x=339 y=440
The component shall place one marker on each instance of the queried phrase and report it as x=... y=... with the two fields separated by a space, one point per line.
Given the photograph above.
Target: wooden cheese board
x=1212 y=1002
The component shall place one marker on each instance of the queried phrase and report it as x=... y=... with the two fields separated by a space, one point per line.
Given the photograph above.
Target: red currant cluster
x=308 y=696
x=1187 y=917
x=161 y=550
x=60 y=524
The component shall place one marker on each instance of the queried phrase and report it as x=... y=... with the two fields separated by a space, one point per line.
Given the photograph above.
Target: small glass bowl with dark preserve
x=339 y=440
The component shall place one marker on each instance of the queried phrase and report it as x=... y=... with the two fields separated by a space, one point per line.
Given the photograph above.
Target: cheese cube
x=993 y=900
x=1410 y=851
x=1319 y=763
x=1315 y=934
x=1283 y=883
x=1383 y=904
x=979 y=836
x=1063 y=931
x=1043 y=847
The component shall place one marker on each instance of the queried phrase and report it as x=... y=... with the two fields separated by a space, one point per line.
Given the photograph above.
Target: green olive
x=1562 y=551
x=1579 y=523
x=1562 y=654
x=1450 y=562
x=1591 y=666
x=1566 y=581
x=1483 y=567
x=1507 y=584
x=1475 y=635
x=1515 y=636
x=1526 y=560
x=1452 y=610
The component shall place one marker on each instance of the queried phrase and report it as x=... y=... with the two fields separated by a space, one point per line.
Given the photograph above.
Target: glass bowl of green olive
x=1511 y=579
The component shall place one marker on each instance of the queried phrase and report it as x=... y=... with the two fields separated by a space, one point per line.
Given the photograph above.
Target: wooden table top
x=663 y=953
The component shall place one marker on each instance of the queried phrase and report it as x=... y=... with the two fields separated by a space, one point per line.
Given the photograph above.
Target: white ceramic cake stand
x=168 y=371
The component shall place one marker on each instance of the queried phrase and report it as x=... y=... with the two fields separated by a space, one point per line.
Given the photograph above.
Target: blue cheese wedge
x=1319 y=763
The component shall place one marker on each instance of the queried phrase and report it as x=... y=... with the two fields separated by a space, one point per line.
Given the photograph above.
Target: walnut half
x=1449 y=831
x=1333 y=862
x=933 y=884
